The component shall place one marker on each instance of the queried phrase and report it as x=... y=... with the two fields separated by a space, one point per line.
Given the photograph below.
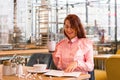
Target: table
x=100 y=59
x=81 y=77
x=24 y=51
x=103 y=47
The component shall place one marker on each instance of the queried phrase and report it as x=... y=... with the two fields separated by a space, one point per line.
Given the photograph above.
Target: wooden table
x=13 y=77
x=25 y=51
x=102 y=56
x=82 y=77
x=100 y=59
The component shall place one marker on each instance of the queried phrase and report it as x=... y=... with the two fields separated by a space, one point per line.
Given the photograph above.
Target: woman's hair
x=75 y=24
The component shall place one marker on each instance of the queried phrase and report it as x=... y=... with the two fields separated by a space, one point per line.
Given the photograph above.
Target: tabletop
x=102 y=56
x=43 y=77
x=100 y=60
x=24 y=51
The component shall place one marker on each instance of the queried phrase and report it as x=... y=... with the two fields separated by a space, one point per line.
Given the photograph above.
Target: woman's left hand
x=71 y=67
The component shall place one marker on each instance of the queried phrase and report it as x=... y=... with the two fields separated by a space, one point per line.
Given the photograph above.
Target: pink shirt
x=80 y=50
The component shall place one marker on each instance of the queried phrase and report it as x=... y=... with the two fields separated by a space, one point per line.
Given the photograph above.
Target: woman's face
x=70 y=32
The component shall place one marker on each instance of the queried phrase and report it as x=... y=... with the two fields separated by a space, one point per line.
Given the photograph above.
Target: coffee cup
x=51 y=45
x=40 y=67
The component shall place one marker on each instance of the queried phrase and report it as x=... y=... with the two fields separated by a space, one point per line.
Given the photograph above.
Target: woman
x=75 y=52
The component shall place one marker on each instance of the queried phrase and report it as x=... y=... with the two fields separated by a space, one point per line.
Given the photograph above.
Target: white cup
x=51 y=45
x=40 y=67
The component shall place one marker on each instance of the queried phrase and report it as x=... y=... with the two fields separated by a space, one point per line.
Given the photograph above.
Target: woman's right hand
x=71 y=67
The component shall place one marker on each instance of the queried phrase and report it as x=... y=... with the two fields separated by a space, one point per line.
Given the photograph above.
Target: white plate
x=34 y=71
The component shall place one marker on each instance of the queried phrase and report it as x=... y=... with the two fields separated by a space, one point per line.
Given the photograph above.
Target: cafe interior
x=30 y=29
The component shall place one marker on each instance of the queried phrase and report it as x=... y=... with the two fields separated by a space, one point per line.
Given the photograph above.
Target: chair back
x=118 y=51
x=41 y=58
x=52 y=65
x=46 y=58
x=92 y=75
x=112 y=67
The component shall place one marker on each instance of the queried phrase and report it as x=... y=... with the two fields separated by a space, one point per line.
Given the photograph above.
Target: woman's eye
x=67 y=26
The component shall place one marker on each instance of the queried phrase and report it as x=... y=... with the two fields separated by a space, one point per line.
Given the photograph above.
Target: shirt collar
x=73 y=40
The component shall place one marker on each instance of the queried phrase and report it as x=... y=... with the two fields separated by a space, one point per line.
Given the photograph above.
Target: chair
x=92 y=75
x=112 y=67
x=46 y=58
x=52 y=65
x=100 y=74
x=118 y=51
x=41 y=58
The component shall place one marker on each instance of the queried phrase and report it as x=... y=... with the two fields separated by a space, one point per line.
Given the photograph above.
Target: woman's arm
x=84 y=58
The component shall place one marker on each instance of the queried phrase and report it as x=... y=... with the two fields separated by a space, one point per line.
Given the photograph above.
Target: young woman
x=75 y=52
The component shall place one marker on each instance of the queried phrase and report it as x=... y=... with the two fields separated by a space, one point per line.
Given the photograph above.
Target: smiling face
x=70 y=32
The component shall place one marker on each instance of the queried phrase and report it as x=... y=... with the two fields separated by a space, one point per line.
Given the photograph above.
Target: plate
x=35 y=71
